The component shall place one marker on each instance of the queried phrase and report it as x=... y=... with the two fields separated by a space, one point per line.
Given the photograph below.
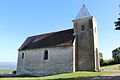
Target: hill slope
x=111 y=67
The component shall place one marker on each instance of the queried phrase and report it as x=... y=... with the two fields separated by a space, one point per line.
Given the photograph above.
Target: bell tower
x=86 y=46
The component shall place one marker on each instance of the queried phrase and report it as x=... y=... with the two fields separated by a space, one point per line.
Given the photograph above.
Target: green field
x=111 y=67
x=5 y=71
x=68 y=76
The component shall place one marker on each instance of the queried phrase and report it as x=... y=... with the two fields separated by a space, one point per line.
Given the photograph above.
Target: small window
x=83 y=27
x=22 y=55
x=96 y=50
x=46 y=55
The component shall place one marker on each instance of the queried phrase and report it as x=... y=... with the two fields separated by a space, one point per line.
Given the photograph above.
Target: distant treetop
x=117 y=23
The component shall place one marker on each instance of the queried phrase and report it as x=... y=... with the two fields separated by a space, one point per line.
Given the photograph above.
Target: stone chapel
x=64 y=51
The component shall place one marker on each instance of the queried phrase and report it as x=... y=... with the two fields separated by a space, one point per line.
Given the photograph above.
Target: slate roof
x=60 y=38
x=84 y=13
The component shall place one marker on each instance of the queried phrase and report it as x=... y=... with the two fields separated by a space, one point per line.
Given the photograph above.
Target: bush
x=108 y=62
x=14 y=72
x=101 y=62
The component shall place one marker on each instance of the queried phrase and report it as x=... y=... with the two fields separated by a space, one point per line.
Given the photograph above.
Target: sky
x=22 y=18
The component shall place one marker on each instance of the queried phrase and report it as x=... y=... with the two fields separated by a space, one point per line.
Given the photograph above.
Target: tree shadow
x=76 y=78
x=91 y=78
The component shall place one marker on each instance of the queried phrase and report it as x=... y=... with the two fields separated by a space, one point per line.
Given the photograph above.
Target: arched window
x=22 y=55
x=96 y=50
x=46 y=55
x=83 y=27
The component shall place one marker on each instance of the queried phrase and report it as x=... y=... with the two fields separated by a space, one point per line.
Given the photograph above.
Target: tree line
x=115 y=58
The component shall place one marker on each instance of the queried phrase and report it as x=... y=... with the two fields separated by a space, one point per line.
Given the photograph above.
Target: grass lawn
x=67 y=76
x=111 y=67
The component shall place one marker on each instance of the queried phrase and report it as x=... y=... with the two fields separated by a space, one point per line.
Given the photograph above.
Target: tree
x=101 y=58
x=116 y=55
x=117 y=23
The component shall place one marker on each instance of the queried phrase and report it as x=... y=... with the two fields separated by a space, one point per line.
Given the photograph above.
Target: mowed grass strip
x=111 y=67
x=67 y=76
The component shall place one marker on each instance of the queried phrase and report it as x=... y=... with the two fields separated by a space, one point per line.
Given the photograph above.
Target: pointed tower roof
x=83 y=13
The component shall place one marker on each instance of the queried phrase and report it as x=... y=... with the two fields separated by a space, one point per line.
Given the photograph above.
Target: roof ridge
x=49 y=33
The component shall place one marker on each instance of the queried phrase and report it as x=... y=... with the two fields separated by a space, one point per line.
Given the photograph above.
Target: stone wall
x=60 y=60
